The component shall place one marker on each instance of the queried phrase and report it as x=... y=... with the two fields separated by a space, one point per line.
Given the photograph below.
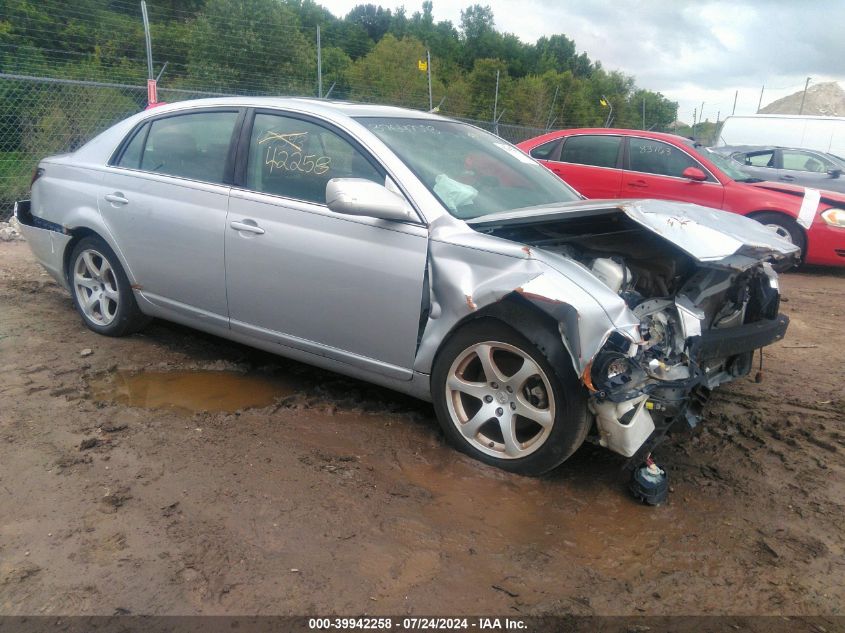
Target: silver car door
x=349 y=288
x=164 y=199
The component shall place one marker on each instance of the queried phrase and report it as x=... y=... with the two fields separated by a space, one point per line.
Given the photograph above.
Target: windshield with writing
x=472 y=172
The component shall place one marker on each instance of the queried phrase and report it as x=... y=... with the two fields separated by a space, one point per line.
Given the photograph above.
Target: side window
x=296 y=159
x=192 y=146
x=600 y=151
x=759 y=159
x=131 y=156
x=655 y=157
x=803 y=161
x=546 y=151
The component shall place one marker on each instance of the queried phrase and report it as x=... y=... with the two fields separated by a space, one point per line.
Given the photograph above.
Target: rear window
x=194 y=146
x=601 y=151
x=546 y=151
x=131 y=156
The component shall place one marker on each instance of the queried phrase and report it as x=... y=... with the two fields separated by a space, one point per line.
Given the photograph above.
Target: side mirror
x=358 y=196
x=834 y=173
x=694 y=173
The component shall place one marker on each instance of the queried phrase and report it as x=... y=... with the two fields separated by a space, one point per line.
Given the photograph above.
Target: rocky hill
x=826 y=99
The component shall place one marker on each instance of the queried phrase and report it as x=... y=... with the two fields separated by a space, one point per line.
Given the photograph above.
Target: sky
x=692 y=52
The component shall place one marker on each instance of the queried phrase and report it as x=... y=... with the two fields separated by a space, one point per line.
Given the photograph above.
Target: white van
x=821 y=133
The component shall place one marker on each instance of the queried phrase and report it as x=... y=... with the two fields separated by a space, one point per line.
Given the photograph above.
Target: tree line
x=370 y=54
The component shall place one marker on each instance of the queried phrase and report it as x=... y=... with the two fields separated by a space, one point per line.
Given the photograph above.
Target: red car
x=609 y=163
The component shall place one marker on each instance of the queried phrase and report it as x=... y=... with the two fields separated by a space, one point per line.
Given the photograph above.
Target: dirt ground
x=176 y=473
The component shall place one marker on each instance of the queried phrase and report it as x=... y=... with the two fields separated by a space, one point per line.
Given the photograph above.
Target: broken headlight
x=611 y=371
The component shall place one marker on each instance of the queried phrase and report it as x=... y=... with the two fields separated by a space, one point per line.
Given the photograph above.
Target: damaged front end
x=702 y=337
x=698 y=297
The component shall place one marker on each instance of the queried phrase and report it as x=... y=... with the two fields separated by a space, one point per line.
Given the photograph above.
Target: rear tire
x=499 y=400
x=101 y=291
x=786 y=228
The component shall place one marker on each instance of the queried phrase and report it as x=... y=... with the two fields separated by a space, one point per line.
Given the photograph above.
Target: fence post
x=643 y=112
x=319 y=66
x=147 y=39
x=496 y=107
x=428 y=68
x=552 y=109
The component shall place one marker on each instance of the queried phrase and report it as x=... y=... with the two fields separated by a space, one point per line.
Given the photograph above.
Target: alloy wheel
x=95 y=286
x=500 y=400
x=780 y=231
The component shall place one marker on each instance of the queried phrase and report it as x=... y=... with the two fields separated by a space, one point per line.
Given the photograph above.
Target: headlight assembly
x=611 y=370
x=834 y=217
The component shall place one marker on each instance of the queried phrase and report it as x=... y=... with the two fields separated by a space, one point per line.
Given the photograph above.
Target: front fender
x=464 y=280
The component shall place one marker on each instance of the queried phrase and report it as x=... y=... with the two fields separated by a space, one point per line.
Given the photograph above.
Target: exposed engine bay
x=700 y=323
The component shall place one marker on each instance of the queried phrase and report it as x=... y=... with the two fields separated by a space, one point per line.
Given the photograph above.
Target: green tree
x=252 y=46
x=482 y=83
x=478 y=35
x=389 y=74
x=373 y=19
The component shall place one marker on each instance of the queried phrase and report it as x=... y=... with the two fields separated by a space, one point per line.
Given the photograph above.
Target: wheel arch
x=754 y=215
x=78 y=233
x=516 y=312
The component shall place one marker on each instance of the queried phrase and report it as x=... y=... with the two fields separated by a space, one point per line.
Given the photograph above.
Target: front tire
x=499 y=400
x=787 y=229
x=101 y=291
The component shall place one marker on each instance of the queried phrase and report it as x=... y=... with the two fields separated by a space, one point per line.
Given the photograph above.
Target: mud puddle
x=190 y=391
x=587 y=515
x=581 y=512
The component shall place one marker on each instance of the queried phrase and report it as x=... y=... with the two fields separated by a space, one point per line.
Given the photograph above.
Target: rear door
x=164 y=200
x=590 y=163
x=805 y=168
x=654 y=170
x=297 y=274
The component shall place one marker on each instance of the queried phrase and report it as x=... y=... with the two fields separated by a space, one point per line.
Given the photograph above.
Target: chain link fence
x=40 y=116
x=510 y=132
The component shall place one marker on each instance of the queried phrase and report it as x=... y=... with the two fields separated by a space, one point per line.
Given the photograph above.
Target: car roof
x=659 y=136
x=767 y=148
x=317 y=106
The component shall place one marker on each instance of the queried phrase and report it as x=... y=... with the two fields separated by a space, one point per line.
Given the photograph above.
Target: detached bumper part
x=46 y=239
x=723 y=343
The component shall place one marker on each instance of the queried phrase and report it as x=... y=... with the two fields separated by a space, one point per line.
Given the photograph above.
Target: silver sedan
x=418 y=253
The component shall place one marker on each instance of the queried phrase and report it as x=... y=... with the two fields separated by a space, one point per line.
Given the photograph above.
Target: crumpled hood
x=707 y=235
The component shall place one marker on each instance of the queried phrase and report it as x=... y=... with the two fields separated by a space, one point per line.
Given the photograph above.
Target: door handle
x=638 y=183
x=247 y=226
x=787 y=178
x=116 y=198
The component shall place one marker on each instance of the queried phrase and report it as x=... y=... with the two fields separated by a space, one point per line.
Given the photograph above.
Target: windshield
x=727 y=165
x=472 y=172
